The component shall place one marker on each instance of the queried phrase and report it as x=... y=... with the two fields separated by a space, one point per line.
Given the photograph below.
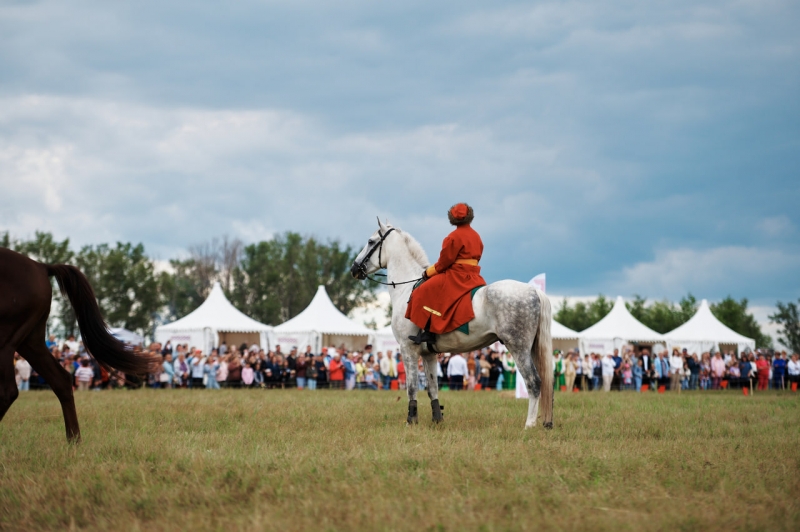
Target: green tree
x=125 y=284
x=277 y=278
x=734 y=314
x=582 y=316
x=787 y=317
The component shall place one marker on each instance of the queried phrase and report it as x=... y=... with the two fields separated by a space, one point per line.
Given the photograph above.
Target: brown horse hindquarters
x=25 y=295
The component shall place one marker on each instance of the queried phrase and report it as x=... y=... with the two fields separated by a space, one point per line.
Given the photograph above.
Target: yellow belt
x=469 y=262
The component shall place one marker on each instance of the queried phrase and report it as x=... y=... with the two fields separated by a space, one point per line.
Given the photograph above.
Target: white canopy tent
x=616 y=329
x=211 y=323
x=564 y=338
x=385 y=340
x=704 y=332
x=321 y=324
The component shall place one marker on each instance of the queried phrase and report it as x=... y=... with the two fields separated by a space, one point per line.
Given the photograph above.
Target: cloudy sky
x=621 y=147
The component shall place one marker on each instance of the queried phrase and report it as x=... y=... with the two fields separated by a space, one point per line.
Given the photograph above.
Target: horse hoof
x=548 y=425
x=438 y=416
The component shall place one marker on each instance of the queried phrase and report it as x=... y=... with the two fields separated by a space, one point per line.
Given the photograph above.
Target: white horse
x=515 y=313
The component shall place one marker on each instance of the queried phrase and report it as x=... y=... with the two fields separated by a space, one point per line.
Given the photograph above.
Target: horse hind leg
x=8 y=384
x=533 y=382
x=35 y=351
x=429 y=362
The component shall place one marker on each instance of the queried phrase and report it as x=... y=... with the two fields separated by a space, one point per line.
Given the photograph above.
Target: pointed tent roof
x=705 y=327
x=619 y=323
x=217 y=313
x=561 y=332
x=323 y=317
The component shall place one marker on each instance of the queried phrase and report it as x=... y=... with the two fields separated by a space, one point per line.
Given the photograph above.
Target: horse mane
x=415 y=249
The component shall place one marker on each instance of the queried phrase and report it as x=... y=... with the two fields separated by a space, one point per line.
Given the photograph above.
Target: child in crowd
x=84 y=375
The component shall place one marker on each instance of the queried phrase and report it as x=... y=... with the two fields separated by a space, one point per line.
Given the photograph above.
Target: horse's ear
x=380 y=225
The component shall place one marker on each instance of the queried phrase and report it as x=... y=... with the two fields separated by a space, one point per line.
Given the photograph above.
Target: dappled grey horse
x=515 y=313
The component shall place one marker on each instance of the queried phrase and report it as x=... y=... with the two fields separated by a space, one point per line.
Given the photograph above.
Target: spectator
x=311 y=371
x=22 y=370
x=84 y=375
x=638 y=373
x=762 y=369
x=608 y=371
x=456 y=371
x=694 y=371
x=371 y=372
x=627 y=372
x=234 y=370
x=616 y=382
x=322 y=372
x=570 y=372
x=198 y=369
x=734 y=375
x=300 y=371
x=349 y=371
x=586 y=373
x=675 y=370
x=717 y=370
x=509 y=371
x=336 y=370
x=559 y=376
x=222 y=371
x=793 y=369
x=211 y=368
x=779 y=371
x=167 y=349
x=167 y=376
x=248 y=373
x=181 y=370
x=597 y=371
x=386 y=370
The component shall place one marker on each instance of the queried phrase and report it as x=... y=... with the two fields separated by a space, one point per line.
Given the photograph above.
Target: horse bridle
x=362 y=268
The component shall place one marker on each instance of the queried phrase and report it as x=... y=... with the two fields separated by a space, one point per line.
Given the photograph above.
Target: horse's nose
x=354 y=270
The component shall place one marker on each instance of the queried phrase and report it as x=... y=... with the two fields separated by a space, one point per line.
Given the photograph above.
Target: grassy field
x=286 y=460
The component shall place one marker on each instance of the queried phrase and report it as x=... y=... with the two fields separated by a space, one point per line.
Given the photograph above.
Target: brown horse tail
x=543 y=358
x=98 y=341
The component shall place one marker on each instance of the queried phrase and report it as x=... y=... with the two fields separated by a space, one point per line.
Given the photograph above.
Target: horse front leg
x=411 y=361
x=430 y=362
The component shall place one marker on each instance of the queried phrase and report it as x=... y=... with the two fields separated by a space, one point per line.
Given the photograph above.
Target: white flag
x=540 y=282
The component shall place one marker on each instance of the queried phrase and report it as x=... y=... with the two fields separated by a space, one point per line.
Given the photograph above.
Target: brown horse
x=25 y=295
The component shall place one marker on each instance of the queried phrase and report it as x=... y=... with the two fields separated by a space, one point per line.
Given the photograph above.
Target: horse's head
x=372 y=257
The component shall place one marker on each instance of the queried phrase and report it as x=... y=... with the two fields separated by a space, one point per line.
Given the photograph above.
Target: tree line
x=664 y=316
x=272 y=281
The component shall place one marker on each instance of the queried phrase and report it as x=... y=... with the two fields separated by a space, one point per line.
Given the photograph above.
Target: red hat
x=459 y=211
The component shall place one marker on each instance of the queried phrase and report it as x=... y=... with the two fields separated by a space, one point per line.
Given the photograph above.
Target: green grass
x=286 y=460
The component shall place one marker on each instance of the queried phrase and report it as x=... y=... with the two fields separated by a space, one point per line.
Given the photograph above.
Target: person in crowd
x=248 y=373
x=84 y=375
x=793 y=370
x=371 y=373
x=638 y=372
x=401 y=371
x=495 y=369
x=198 y=370
x=336 y=370
x=211 y=367
x=616 y=382
x=734 y=375
x=717 y=370
x=322 y=372
x=627 y=372
x=22 y=372
x=361 y=371
x=597 y=372
x=181 y=370
x=222 y=371
x=675 y=370
x=311 y=371
x=167 y=377
x=779 y=371
x=386 y=370
x=349 y=371
x=456 y=371
x=694 y=371
x=570 y=372
x=559 y=377
x=300 y=371
x=586 y=373
x=509 y=371
x=608 y=371
x=234 y=370
x=167 y=349
x=762 y=372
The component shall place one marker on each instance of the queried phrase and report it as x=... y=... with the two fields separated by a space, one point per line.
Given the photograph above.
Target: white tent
x=385 y=340
x=211 y=323
x=321 y=324
x=617 y=328
x=705 y=332
x=126 y=336
x=564 y=338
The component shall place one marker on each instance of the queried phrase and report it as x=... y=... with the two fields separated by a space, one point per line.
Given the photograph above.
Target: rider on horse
x=439 y=304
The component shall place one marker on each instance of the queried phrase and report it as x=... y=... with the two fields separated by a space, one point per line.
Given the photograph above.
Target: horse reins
x=379 y=248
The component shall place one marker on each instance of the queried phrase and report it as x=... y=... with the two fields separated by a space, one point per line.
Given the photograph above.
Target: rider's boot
x=424 y=335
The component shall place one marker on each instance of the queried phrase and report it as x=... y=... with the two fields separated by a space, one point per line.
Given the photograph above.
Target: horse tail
x=543 y=358
x=106 y=349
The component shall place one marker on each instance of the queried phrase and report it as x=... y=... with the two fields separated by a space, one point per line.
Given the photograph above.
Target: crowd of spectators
x=641 y=370
x=337 y=368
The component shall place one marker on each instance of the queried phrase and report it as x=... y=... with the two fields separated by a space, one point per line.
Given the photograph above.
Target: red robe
x=445 y=298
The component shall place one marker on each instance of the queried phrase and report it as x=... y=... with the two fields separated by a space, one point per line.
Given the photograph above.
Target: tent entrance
x=352 y=342
x=238 y=338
